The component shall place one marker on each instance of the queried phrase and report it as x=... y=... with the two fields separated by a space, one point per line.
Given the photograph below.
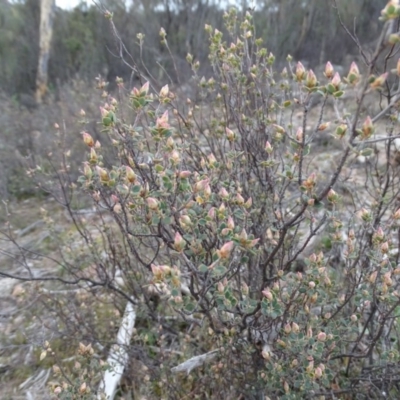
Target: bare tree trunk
x=46 y=30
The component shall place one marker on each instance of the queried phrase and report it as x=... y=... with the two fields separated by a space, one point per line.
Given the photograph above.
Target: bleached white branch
x=194 y=362
x=118 y=355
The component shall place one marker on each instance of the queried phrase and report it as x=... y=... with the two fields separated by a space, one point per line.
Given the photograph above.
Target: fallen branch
x=118 y=356
x=194 y=362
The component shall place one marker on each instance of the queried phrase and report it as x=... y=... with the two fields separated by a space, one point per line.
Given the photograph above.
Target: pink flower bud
x=336 y=81
x=145 y=88
x=164 y=91
x=324 y=126
x=299 y=134
x=225 y=251
x=287 y=328
x=222 y=209
x=387 y=278
x=162 y=122
x=354 y=74
x=379 y=235
x=364 y=214
x=367 y=128
x=252 y=243
x=130 y=174
x=170 y=143
x=230 y=223
x=87 y=171
x=239 y=199
x=248 y=203
x=179 y=242
x=268 y=294
x=175 y=157
x=243 y=236
x=211 y=213
x=385 y=247
x=87 y=139
x=230 y=134
x=318 y=372
x=268 y=147
x=223 y=193
x=379 y=81
x=152 y=203
x=225 y=232
x=103 y=174
x=329 y=71
x=185 y=221
x=157 y=273
x=295 y=327
x=332 y=196
x=266 y=355
x=321 y=337
x=211 y=159
x=201 y=185
x=278 y=129
x=300 y=71
x=311 y=79
x=207 y=191
x=184 y=174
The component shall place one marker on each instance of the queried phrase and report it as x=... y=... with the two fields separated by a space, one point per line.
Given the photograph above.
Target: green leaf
x=167 y=220
x=175 y=292
x=136 y=190
x=203 y=268
x=219 y=270
x=338 y=94
x=190 y=307
x=367 y=152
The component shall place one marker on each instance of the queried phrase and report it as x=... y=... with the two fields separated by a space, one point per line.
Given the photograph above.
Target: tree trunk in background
x=46 y=30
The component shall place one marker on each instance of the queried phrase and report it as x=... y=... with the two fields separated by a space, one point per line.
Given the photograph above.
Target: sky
x=68 y=4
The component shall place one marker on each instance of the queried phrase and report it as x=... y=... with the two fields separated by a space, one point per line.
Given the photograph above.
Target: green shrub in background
x=237 y=236
x=82 y=46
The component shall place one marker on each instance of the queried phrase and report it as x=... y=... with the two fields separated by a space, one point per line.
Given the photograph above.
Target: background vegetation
x=83 y=47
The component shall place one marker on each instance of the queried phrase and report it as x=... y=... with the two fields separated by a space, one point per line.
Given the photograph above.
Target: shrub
x=256 y=226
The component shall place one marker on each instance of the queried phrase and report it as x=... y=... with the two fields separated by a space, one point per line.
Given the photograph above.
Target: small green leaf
x=203 y=268
x=338 y=94
x=190 y=307
x=136 y=190
x=367 y=152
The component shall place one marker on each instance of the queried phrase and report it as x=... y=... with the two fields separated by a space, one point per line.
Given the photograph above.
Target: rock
x=7 y=286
